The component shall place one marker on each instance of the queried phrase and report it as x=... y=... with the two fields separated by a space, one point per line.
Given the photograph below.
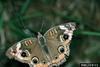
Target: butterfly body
x=50 y=49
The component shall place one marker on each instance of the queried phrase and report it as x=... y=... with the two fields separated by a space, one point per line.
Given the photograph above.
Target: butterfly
x=48 y=50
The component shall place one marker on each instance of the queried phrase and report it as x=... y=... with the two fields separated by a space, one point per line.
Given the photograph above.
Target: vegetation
x=21 y=19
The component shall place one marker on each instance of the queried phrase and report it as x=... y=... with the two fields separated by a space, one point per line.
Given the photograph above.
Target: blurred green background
x=21 y=19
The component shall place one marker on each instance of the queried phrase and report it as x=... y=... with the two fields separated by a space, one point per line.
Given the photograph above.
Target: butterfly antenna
x=42 y=26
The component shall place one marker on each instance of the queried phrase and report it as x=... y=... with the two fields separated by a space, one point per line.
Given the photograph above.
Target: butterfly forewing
x=30 y=45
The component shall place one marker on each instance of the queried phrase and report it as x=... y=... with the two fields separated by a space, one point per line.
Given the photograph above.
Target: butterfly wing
x=27 y=51
x=58 y=40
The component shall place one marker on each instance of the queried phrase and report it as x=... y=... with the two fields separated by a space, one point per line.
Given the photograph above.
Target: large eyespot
x=25 y=53
x=65 y=36
x=61 y=49
x=35 y=60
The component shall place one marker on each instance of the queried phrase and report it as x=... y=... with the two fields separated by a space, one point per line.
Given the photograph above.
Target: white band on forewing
x=62 y=27
x=18 y=46
x=69 y=32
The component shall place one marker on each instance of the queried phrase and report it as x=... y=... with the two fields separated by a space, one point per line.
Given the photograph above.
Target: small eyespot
x=35 y=60
x=61 y=49
x=14 y=51
x=66 y=56
x=56 y=57
x=23 y=54
x=65 y=36
x=44 y=62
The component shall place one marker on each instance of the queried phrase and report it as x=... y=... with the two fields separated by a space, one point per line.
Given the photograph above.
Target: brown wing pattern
x=54 y=40
x=57 y=40
x=30 y=45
